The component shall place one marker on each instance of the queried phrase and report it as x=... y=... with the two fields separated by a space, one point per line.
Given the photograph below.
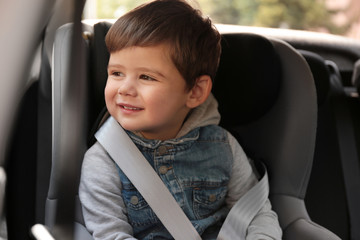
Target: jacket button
x=212 y=198
x=134 y=200
x=162 y=150
x=163 y=170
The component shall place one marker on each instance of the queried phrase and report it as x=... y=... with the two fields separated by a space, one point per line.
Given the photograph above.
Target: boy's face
x=145 y=92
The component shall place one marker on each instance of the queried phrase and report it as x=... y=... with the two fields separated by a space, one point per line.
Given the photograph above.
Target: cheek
x=109 y=90
x=157 y=99
x=109 y=94
x=163 y=104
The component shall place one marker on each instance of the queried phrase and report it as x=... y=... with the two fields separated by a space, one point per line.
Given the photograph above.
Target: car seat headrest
x=99 y=61
x=320 y=73
x=248 y=79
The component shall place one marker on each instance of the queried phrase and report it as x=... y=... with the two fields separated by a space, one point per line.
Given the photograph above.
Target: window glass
x=340 y=17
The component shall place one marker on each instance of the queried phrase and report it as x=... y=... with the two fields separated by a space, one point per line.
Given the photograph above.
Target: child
x=163 y=57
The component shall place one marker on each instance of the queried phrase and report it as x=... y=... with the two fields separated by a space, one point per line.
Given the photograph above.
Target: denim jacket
x=196 y=168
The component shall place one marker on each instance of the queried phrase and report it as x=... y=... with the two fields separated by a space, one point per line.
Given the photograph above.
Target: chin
x=130 y=127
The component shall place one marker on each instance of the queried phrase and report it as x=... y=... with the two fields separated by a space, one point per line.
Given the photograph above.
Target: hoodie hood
x=203 y=115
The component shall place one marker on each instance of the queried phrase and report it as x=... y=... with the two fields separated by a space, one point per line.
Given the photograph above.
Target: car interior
x=291 y=100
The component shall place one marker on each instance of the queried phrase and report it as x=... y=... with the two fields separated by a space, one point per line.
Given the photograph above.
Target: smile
x=131 y=108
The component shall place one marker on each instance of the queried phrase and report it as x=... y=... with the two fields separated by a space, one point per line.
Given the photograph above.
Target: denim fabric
x=196 y=169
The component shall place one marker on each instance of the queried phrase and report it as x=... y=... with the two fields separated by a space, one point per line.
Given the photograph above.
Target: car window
x=328 y=16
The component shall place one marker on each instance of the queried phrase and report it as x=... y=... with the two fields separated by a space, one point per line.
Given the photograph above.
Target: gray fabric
x=100 y=197
x=242 y=213
x=81 y=233
x=305 y=229
x=205 y=114
x=293 y=142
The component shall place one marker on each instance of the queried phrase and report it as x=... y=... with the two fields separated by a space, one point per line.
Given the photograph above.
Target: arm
x=265 y=224
x=100 y=195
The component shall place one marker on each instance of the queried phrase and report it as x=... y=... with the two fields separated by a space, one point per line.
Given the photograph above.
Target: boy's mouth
x=131 y=108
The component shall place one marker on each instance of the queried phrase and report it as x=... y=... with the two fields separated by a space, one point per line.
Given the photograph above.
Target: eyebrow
x=114 y=65
x=152 y=71
x=144 y=69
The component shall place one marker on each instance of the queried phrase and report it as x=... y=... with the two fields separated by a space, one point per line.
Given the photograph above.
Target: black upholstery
x=256 y=81
x=356 y=76
x=21 y=169
x=99 y=57
x=321 y=74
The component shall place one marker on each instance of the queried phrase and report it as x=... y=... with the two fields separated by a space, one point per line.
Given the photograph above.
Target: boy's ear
x=200 y=92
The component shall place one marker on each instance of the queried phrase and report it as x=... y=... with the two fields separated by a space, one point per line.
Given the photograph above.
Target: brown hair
x=194 y=41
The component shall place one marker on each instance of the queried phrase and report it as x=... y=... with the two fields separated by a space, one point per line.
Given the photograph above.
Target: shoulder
x=235 y=146
x=213 y=133
x=99 y=174
x=223 y=142
x=218 y=133
x=96 y=150
x=97 y=161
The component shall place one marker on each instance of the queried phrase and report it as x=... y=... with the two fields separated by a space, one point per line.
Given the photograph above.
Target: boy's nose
x=127 y=87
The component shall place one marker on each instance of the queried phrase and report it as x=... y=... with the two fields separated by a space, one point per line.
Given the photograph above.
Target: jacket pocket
x=207 y=201
x=138 y=210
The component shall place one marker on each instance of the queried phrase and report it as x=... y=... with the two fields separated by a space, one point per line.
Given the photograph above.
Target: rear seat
x=326 y=199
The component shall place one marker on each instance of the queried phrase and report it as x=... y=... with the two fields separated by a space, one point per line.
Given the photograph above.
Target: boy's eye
x=146 y=77
x=117 y=74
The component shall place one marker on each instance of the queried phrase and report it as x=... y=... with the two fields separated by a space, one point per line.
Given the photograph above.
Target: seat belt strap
x=245 y=209
x=148 y=183
x=350 y=163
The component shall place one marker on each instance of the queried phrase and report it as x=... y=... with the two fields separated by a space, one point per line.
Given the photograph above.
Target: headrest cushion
x=248 y=79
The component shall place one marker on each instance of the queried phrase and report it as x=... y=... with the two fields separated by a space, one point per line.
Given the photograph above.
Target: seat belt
x=245 y=209
x=148 y=183
x=349 y=162
x=348 y=152
x=111 y=135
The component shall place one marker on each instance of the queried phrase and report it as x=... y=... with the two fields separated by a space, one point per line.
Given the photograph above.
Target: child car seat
x=267 y=100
